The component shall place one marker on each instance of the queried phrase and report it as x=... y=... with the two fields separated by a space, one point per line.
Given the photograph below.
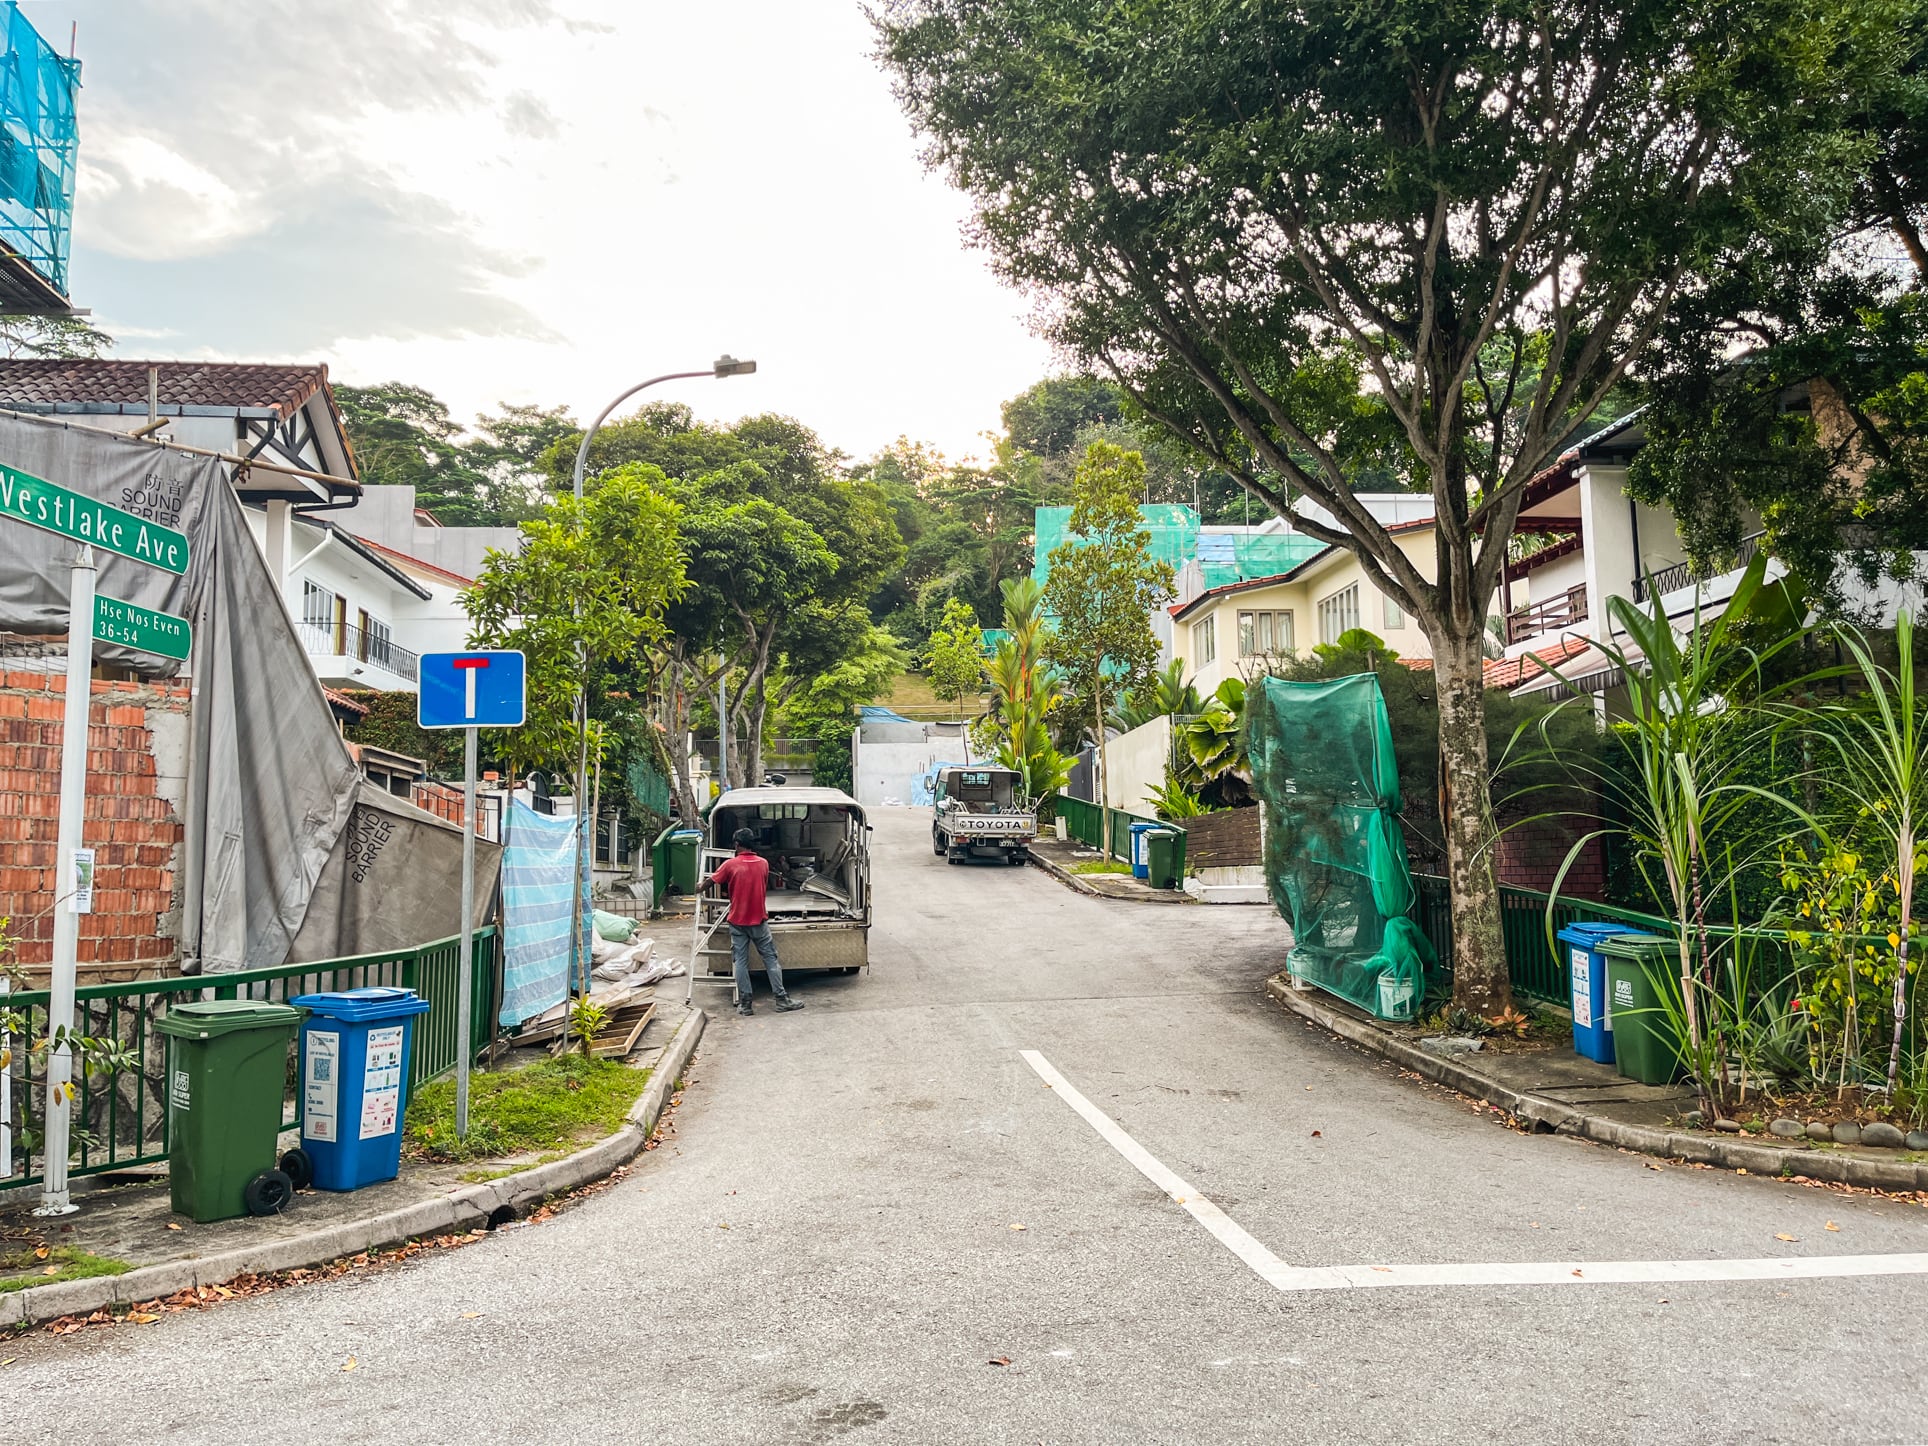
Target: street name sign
x=482 y=688
x=53 y=508
x=149 y=630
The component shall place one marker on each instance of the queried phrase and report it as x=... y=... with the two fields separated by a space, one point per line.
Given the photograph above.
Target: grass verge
x=552 y=1104
x=1101 y=866
x=61 y=1262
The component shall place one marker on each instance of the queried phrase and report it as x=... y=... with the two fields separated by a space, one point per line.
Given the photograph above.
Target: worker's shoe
x=785 y=1004
x=743 y=1007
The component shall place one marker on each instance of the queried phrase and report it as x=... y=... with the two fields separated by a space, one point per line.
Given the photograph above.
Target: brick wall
x=136 y=766
x=1529 y=856
x=1223 y=840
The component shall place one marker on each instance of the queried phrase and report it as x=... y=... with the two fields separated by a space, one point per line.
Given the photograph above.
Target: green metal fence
x=123 y=1117
x=1537 y=971
x=1084 y=822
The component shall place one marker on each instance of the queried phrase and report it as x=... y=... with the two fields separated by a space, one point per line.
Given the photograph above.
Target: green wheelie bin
x=1639 y=968
x=1161 y=858
x=227 y=1072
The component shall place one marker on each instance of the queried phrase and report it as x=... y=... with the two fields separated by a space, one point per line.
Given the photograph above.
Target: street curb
x=1078 y=885
x=1557 y=1117
x=473 y=1207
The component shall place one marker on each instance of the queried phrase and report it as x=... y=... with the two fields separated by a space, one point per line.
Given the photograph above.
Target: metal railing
x=345 y=640
x=1672 y=579
x=1562 y=611
x=1082 y=822
x=121 y=1120
x=1537 y=971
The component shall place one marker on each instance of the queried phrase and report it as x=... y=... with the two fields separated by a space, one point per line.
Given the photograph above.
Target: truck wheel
x=953 y=858
x=268 y=1193
x=937 y=843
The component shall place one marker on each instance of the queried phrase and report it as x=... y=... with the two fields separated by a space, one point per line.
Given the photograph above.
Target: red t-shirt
x=745 y=879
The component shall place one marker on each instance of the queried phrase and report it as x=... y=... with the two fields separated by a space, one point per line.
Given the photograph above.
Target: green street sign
x=44 y=504
x=147 y=629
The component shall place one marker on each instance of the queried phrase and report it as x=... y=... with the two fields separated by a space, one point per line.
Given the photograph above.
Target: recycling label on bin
x=321 y=1087
x=180 y=1093
x=381 y=1099
x=1582 y=989
x=1623 y=993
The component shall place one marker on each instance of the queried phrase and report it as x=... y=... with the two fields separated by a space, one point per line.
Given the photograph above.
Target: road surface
x=833 y=1242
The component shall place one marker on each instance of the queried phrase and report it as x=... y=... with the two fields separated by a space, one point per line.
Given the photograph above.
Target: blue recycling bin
x=1141 y=848
x=355 y=1047
x=1587 y=971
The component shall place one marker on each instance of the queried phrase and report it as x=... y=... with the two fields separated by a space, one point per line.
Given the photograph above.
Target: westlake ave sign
x=46 y=505
x=148 y=629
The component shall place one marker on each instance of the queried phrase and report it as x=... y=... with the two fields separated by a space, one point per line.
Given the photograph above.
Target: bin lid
x=377 y=1001
x=686 y=833
x=203 y=1019
x=1144 y=825
x=1588 y=932
x=1633 y=944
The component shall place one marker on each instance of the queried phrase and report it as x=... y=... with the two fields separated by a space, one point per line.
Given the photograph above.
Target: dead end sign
x=480 y=688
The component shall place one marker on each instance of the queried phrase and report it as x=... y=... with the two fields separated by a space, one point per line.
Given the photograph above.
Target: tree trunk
x=1480 y=979
x=676 y=729
x=1905 y=889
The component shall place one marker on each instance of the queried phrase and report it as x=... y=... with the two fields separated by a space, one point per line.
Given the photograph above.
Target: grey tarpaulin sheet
x=280 y=788
x=393 y=881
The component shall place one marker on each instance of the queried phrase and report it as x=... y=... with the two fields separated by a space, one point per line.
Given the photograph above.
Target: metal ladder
x=711 y=918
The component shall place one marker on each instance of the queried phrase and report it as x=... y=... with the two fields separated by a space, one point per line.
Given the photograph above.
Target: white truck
x=981 y=812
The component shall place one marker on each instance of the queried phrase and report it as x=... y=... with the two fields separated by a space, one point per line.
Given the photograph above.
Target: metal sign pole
x=465 y=982
x=73 y=803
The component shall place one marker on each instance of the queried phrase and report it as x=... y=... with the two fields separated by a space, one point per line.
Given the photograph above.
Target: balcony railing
x=1672 y=579
x=1561 y=611
x=345 y=640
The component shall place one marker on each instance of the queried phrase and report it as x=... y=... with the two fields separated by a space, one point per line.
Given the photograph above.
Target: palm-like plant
x=1167 y=694
x=1212 y=744
x=1883 y=748
x=1027 y=689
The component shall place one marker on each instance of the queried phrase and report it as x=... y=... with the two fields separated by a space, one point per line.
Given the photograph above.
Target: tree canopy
x=404 y=435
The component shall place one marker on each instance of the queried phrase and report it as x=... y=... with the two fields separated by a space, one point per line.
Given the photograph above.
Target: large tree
x=405 y=435
x=1316 y=240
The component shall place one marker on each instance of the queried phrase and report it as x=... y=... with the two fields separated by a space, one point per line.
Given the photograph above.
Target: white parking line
x=1276 y=1272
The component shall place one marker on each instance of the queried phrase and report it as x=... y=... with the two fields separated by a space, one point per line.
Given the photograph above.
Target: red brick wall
x=1529 y=855
x=135 y=831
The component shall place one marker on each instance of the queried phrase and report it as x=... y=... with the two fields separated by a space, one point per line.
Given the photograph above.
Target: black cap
x=744 y=837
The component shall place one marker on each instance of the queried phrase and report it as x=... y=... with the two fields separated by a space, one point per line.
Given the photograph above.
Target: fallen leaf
x=1383 y=1269
x=143 y=1318
x=722 y=1225
x=1576 y=1272
x=1017 y=1227
x=1534 y=1223
x=51 y=1270
x=1318 y=1134
x=172 y=1226
x=1652 y=1166
x=41 y=1253
x=1832 y=1226
x=998 y=1361
x=1740 y=1172
x=1663 y=1300
x=349 y=1364
x=1791 y=1239
x=9 y=1360
x=471 y=1315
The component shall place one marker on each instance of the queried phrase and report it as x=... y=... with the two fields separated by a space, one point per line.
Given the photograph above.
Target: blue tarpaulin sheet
x=536 y=862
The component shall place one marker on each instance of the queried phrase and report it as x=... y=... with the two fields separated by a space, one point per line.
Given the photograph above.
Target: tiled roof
x=342 y=701
x=42 y=384
x=413 y=561
x=1511 y=672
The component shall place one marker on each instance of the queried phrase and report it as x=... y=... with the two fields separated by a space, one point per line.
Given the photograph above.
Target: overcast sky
x=536 y=200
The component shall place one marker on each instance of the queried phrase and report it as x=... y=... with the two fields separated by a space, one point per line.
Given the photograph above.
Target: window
x=1204 y=641
x=1263 y=633
x=376 y=638
x=317 y=605
x=1338 y=614
x=1395 y=618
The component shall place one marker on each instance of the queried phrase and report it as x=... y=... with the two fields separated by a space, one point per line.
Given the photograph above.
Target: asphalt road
x=829 y=1247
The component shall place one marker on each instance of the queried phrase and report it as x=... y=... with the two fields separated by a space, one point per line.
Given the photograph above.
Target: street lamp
x=724 y=366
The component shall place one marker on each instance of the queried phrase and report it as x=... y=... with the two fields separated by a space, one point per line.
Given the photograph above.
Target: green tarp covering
x=1335 y=856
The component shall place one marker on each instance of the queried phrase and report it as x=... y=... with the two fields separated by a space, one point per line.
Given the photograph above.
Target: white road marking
x=1278 y=1273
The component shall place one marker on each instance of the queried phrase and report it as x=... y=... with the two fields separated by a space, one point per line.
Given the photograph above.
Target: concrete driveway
x=873 y=1201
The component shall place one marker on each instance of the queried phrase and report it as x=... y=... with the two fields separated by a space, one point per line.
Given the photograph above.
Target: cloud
x=526 y=115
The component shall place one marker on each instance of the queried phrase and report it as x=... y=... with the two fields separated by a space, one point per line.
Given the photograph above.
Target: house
x=365 y=606
x=1236 y=629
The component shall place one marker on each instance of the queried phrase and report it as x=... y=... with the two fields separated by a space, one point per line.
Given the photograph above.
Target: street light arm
x=582 y=452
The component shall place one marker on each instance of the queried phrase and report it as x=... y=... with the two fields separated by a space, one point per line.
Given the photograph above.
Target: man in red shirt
x=746 y=879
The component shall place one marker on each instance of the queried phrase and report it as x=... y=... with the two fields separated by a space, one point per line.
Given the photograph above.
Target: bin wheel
x=268 y=1193
x=299 y=1166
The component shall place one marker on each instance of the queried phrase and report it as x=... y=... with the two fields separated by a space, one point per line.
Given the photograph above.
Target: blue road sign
x=476 y=689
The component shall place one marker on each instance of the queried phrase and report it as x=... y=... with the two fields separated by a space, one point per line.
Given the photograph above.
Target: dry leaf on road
x=1014 y=1227
x=1791 y=1239
x=994 y=1361
x=1832 y=1226
x=349 y=1364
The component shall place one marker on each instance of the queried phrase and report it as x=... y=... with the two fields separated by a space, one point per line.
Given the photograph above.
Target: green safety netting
x=1335 y=856
x=1225 y=557
x=39 y=145
x=1172 y=525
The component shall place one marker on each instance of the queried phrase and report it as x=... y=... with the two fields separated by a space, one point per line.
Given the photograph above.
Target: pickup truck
x=980 y=812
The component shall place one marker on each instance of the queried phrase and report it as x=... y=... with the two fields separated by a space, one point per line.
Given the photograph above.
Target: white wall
x=387 y=515
x=1135 y=765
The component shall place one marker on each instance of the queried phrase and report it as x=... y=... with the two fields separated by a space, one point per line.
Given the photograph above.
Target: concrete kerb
x=1082 y=886
x=1064 y=876
x=1557 y=1117
x=468 y=1209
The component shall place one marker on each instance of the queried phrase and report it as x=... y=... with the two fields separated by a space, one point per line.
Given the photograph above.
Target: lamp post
x=724 y=366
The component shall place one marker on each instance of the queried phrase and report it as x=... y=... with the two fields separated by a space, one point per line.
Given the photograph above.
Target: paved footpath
x=831 y=1248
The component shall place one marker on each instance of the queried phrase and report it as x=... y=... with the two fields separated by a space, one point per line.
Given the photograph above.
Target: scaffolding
x=39 y=146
